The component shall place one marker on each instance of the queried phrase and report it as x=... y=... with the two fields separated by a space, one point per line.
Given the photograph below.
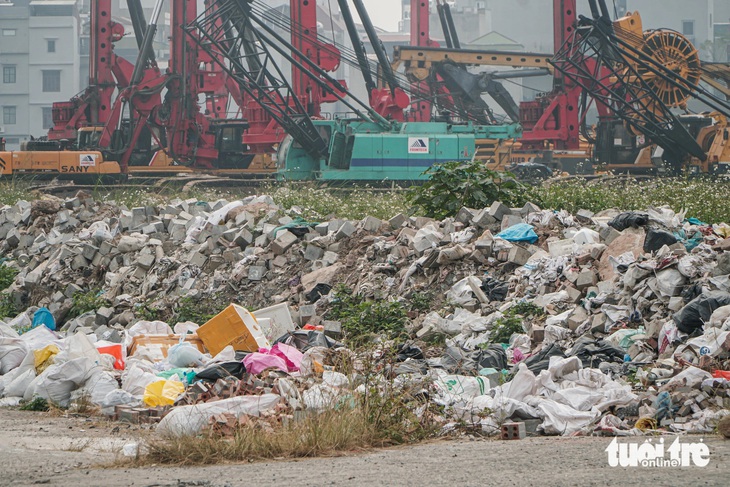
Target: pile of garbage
x=572 y=324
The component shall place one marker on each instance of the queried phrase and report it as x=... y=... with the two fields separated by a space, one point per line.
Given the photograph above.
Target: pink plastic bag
x=283 y=357
x=257 y=362
x=291 y=355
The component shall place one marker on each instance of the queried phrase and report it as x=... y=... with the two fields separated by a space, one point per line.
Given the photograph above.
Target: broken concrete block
x=333 y=329
x=529 y=208
x=398 y=221
x=313 y=253
x=13 y=238
x=586 y=279
x=519 y=255
x=104 y=315
x=256 y=273
x=510 y=220
x=283 y=242
x=306 y=312
x=243 y=238
x=79 y=262
x=156 y=227
x=498 y=210
x=322 y=228
x=577 y=318
x=558 y=248
x=197 y=259
x=483 y=219
x=346 y=230
x=145 y=261
x=371 y=224
x=465 y=215
x=584 y=216
x=609 y=234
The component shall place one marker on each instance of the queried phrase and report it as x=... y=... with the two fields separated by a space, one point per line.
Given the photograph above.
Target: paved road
x=38 y=449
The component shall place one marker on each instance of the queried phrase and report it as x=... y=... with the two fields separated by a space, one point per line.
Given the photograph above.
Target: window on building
x=84 y=46
x=688 y=27
x=51 y=80
x=47 y=117
x=12 y=141
x=9 y=32
x=9 y=115
x=51 y=45
x=9 y=74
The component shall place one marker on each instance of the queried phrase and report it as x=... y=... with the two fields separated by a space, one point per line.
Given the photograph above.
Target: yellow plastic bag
x=162 y=393
x=44 y=357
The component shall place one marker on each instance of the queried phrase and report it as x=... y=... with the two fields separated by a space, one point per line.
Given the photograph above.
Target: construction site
x=364 y=242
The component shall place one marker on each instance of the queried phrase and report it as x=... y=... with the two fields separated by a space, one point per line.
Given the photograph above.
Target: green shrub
x=37 y=404
x=452 y=185
x=7 y=276
x=85 y=302
x=512 y=321
x=7 y=306
x=362 y=318
x=199 y=310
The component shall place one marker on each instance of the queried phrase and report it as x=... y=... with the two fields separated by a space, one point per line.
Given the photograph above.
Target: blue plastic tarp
x=44 y=317
x=522 y=232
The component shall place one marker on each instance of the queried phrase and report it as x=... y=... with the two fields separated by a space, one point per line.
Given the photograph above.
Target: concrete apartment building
x=40 y=62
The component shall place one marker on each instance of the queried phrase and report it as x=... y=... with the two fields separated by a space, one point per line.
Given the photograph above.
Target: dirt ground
x=39 y=449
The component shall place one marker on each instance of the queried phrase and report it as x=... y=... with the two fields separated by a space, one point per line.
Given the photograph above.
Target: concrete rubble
x=611 y=326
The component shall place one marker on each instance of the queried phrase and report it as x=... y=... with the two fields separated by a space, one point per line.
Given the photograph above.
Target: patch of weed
x=362 y=318
x=7 y=276
x=83 y=302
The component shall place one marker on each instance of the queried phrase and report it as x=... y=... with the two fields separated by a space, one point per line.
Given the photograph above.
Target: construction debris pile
x=570 y=324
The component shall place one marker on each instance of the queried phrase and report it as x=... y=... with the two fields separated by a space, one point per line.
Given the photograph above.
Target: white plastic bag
x=185 y=355
x=135 y=379
x=190 y=420
x=12 y=353
x=17 y=387
x=524 y=384
x=57 y=382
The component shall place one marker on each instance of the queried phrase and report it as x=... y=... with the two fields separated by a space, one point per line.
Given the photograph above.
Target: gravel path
x=37 y=449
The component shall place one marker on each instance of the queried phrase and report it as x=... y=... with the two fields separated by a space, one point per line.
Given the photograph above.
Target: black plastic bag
x=454 y=361
x=493 y=357
x=495 y=289
x=656 y=239
x=406 y=351
x=303 y=340
x=221 y=371
x=695 y=314
x=317 y=292
x=629 y=219
x=592 y=352
x=691 y=292
x=540 y=361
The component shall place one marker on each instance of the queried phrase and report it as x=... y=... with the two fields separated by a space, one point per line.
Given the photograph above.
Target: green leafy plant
x=7 y=306
x=85 y=302
x=511 y=322
x=421 y=301
x=452 y=185
x=362 y=318
x=37 y=404
x=199 y=310
x=148 y=312
x=14 y=190
x=7 y=276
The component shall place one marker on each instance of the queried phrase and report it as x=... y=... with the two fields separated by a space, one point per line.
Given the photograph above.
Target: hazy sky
x=384 y=13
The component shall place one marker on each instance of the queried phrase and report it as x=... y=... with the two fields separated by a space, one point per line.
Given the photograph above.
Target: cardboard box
x=160 y=344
